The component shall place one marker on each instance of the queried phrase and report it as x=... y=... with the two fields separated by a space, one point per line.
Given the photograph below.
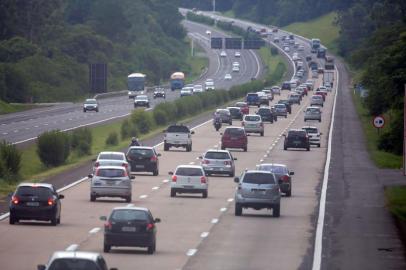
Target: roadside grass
x=198 y=63
x=11 y=108
x=229 y=13
x=323 y=27
x=396 y=201
x=380 y=158
x=271 y=62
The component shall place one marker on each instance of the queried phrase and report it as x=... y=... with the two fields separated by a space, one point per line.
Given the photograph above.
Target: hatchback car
x=130 y=227
x=237 y=54
x=159 y=93
x=75 y=260
x=243 y=106
x=141 y=101
x=218 y=162
x=91 y=104
x=282 y=174
x=287 y=104
x=276 y=90
x=314 y=135
x=109 y=158
x=35 y=201
x=189 y=179
x=266 y=114
x=110 y=181
x=234 y=137
x=197 y=88
x=258 y=190
x=235 y=112
x=322 y=94
x=224 y=115
x=294 y=98
x=316 y=100
x=281 y=110
x=143 y=159
x=312 y=113
x=253 y=124
x=296 y=138
x=186 y=91
x=263 y=100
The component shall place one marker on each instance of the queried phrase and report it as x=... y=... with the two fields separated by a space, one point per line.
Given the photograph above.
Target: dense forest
x=47 y=45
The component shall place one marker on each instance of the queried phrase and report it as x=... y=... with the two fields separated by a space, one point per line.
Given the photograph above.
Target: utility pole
x=214 y=6
x=192 y=47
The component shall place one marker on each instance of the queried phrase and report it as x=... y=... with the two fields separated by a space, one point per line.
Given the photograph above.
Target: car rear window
x=273 y=169
x=317 y=97
x=234 y=131
x=264 y=110
x=111 y=156
x=252 y=118
x=241 y=104
x=184 y=171
x=128 y=214
x=311 y=130
x=223 y=112
x=89 y=101
x=297 y=133
x=313 y=110
x=234 y=110
x=140 y=152
x=279 y=106
x=178 y=129
x=74 y=264
x=40 y=192
x=110 y=173
x=217 y=155
x=252 y=95
x=259 y=178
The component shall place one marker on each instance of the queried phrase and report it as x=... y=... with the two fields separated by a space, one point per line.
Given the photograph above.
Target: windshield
x=111 y=156
x=234 y=131
x=311 y=130
x=141 y=97
x=183 y=171
x=136 y=84
x=259 y=178
x=264 y=111
x=217 y=155
x=91 y=101
x=128 y=214
x=73 y=264
x=312 y=110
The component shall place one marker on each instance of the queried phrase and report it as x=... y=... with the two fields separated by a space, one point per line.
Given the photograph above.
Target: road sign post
x=378 y=122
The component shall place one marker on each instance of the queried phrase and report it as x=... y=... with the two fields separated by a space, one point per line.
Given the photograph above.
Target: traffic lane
x=279 y=243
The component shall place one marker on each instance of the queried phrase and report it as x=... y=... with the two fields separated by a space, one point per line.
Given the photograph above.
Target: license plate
x=139 y=166
x=252 y=126
x=128 y=229
x=188 y=186
x=260 y=192
x=176 y=142
x=33 y=203
x=296 y=142
x=110 y=183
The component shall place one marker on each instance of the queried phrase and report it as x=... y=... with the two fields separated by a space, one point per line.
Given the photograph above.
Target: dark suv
x=35 y=201
x=234 y=137
x=287 y=104
x=286 y=86
x=143 y=159
x=296 y=138
x=252 y=99
x=266 y=114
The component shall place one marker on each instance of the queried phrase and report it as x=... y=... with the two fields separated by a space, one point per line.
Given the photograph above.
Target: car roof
x=141 y=147
x=27 y=184
x=190 y=166
x=131 y=208
x=233 y=107
x=217 y=150
x=90 y=99
x=257 y=171
x=272 y=164
x=234 y=127
x=310 y=127
x=111 y=152
x=111 y=167
x=313 y=107
x=75 y=254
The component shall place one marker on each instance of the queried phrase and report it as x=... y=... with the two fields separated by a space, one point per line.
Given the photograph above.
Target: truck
x=178 y=136
x=135 y=84
x=329 y=63
x=177 y=81
x=328 y=78
x=321 y=52
x=314 y=45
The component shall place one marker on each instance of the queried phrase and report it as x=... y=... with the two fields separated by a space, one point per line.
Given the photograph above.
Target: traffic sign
x=216 y=43
x=234 y=43
x=253 y=44
x=379 y=121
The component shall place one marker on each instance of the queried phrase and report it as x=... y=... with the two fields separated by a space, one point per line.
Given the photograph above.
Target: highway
x=25 y=126
x=195 y=233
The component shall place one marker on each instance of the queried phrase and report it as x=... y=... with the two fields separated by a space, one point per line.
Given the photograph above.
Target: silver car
x=314 y=135
x=316 y=100
x=110 y=181
x=312 y=113
x=218 y=162
x=281 y=110
x=252 y=123
x=109 y=158
x=189 y=179
x=224 y=115
x=294 y=98
x=258 y=190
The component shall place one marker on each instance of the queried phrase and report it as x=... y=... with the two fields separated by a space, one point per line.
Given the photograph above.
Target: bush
x=81 y=141
x=274 y=51
x=160 y=117
x=142 y=120
x=53 y=148
x=128 y=129
x=112 y=139
x=10 y=160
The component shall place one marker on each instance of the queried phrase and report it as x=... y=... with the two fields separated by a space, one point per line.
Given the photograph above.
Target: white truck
x=178 y=136
x=328 y=78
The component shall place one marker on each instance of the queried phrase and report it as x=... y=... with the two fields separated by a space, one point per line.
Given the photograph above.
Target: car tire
x=155 y=172
x=173 y=193
x=262 y=134
x=319 y=120
x=308 y=148
x=97 y=110
x=106 y=248
x=151 y=249
x=286 y=116
x=289 y=192
x=58 y=221
x=238 y=210
x=245 y=149
x=92 y=198
x=285 y=148
x=54 y=221
x=232 y=174
x=84 y=110
x=166 y=147
x=128 y=199
x=204 y=194
x=276 y=210
x=12 y=220
x=318 y=145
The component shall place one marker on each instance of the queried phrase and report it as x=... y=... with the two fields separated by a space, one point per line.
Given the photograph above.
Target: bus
x=136 y=84
x=315 y=44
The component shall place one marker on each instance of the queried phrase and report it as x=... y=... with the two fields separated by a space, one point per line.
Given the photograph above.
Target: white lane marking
x=318 y=242
x=204 y=234
x=94 y=230
x=5 y=133
x=258 y=65
x=230 y=200
x=192 y=163
x=144 y=196
x=35 y=126
x=130 y=205
x=223 y=209
x=155 y=188
x=165 y=181
x=15 y=131
x=191 y=252
x=261 y=160
x=214 y=220
x=72 y=247
x=265 y=156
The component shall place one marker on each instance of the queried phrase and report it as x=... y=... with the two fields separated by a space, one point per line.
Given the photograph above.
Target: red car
x=234 y=137
x=244 y=107
x=321 y=93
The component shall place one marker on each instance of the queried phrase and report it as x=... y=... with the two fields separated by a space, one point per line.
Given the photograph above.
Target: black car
x=159 y=93
x=286 y=86
x=263 y=100
x=235 y=113
x=287 y=104
x=296 y=138
x=281 y=173
x=130 y=227
x=35 y=201
x=143 y=159
x=266 y=114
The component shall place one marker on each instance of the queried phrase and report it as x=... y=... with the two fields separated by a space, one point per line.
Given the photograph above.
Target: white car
x=189 y=179
x=236 y=64
x=237 y=54
x=210 y=86
x=314 y=135
x=286 y=49
x=252 y=123
x=236 y=68
x=186 y=91
x=208 y=32
x=197 y=88
x=109 y=158
x=228 y=76
x=276 y=90
x=301 y=48
x=223 y=54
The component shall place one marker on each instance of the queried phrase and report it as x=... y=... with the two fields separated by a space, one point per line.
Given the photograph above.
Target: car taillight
x=261 y=124
x=108 y=225
x=51 y=201
x=125 y=173
x=96 y=164
x=97 y=172
x=174 y=178
x=203 y=180
x=227 y=162
x=15 y=200
x=125 y=165
x=150 y=226
x=154 y=159
x=242 y=124
x=206 y=161
x=285 y=178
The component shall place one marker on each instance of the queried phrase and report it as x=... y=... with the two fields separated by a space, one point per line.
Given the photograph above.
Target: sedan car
x=35 y=201
x=224 y=115
x=143 y=159
x=141 y=101
x=296 y=138
x=316 y=100
x=294 y=98
x=282 y=174
x=276 y=90
x=159 y=93
x=235 y=112
x=91 y=104
x=234 y=137
x=77 y=260
x=218 y=162
x=266 y=114
x=198 y=88
x=312 y=113
x=130 y=227
x=314 y=135
x=110 y=158
x=228 y=76
x=189 y=179
x=186 y=91
x=253 y=124
x=110 y=181
x=245 y=109
x=236 y=69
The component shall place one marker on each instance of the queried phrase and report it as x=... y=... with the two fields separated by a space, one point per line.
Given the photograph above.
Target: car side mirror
x=103 y=218
x=132 y=177
x=113 y=268
x=321 y=133
x=41 y=267
x=236 y=179
x=221 y=133
x=200 y=157
x=157 y=220
x=192 y=132
x=90 y=175
x=159 y=154
x=61 y=196
x=94 y=159
x=235 y=158
x=291 y=173
x=170 y=173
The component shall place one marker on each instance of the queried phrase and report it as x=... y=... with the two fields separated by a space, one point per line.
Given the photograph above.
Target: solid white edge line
x=72 y=247
x=94 y=230
x=318 y=241
x=191 y=252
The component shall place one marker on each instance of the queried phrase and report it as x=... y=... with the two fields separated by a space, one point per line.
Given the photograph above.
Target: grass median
x=396 y=201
